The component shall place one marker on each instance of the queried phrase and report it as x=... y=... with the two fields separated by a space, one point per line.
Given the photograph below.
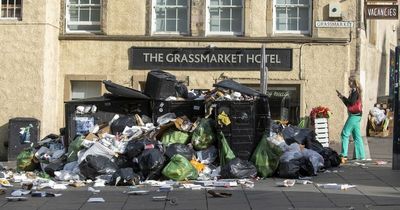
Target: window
x=284 y=102
x=292 y=16
x=85 y=89
x=171 y=16
x=83 y=15
x=225 y=17
x=11 y=9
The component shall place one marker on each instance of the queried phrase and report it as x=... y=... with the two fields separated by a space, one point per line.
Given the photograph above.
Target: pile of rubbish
x=135 y=150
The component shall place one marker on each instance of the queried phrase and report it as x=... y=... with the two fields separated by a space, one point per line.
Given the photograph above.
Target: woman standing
x=352 y=125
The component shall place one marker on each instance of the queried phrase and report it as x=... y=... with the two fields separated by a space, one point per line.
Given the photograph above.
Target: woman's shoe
x=343 y=160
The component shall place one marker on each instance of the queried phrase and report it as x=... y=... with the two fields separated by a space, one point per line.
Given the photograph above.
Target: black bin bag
x=118 y=126
x=181 y=149
x=295 y=168
x=238 y=169
x=135 y=147
x=94 y=166
x=151 y=162
x=125 y=176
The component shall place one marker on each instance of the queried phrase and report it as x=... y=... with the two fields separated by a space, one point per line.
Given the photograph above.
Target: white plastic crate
x=322 y=131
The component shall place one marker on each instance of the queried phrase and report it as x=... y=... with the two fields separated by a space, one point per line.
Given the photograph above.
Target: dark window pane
x=182 y=26
x=18 y=13
x=182 y=14
x=95 y=1
x=225 y=25
x=304 y=19
x=84 y=14
x=183 y=2
x=237 y=2
x=225 y=13
x=171 y=25
x=226 y=2
x=171 y=13
x=171 y=2
x=95 y=15
x=84 y=1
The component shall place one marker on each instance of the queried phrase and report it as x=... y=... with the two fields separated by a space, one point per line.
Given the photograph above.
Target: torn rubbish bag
x=74 y=148
x=179 y=168
x=173 y=136
x=26 y=160
x=125 y=176
x=238 y=169
x=181 y=149
x=118 y=126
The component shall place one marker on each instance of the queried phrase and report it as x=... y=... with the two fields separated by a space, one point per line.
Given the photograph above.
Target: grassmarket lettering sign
x=210 y=58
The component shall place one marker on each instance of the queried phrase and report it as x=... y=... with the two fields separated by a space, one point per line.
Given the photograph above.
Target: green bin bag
x=25 y=160
x=225 y=153
x=203 y=136
x=266 y=157
x=173 y=136
x=74 y=148
x=179 y=168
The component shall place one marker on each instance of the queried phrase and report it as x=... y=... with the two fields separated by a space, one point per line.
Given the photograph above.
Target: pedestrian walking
x=352 y=126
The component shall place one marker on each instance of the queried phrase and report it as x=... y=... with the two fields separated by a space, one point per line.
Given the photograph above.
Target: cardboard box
x=384 y=133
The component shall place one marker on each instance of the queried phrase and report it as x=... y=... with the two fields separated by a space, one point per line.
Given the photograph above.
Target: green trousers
x=352 y=127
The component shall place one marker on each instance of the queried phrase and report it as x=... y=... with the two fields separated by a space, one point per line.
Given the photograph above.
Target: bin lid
x=122 y=91
x=24 y=119
x=233 y=85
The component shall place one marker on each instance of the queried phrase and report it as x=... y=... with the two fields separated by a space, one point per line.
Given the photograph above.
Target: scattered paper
x=192 y=186
x=96 y=200
x=286 y=183
x=303 y=181
x=381 y=162
x=91 y=189
x=336 y=186
x=19 y=193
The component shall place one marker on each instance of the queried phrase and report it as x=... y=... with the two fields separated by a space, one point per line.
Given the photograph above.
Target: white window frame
x=154 y=20
x=231 y=33
x=15 y=7
x=68 y=22
x=308 y=31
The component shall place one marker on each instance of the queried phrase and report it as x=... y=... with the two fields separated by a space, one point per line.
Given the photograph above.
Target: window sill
x=272 y=39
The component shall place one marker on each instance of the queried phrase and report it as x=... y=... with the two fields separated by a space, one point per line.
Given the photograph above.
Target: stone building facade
x=55 y=51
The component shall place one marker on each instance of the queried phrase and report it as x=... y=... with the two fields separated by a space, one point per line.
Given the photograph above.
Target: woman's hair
x=357 y=86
